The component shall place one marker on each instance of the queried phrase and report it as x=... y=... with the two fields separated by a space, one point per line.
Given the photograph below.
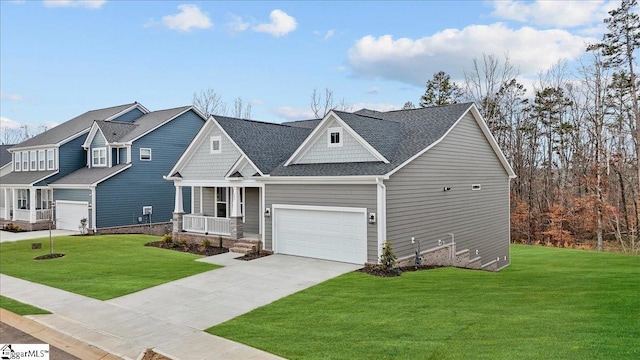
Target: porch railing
x=2 y=208
x=206 y=224
x=24 y=215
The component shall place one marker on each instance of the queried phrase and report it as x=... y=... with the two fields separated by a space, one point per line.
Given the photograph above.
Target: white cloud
x=414 y=61
x=293 y=113
x=375 y=106
x=237 y=24
x=10 y=97
x=7 y=123
x=89 y=4
x=560 y=14
x=325 y=35
x=281 y=24
x=188 y=18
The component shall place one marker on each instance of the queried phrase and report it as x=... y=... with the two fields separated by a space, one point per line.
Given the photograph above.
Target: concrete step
x=462 y=258
x=243 y=248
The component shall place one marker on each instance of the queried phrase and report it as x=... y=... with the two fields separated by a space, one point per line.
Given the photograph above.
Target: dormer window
x=33 y=157
x=334 y=137
x=216 y=144
x=41 y=160
x=17 y=161
x=99 y=157
x=51 y=161
x=25 y=161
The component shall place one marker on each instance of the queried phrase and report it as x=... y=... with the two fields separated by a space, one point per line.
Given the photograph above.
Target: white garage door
x=69 y=214
x=330 y=233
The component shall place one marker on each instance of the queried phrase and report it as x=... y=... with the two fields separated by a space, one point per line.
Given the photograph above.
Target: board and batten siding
x=320 y=152
x=119 y=199
x=205 y=165
x=359 y=196
x=418 y=206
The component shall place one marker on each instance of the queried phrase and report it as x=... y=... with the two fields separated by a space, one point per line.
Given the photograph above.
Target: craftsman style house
x=105 y=166
x=432 y=181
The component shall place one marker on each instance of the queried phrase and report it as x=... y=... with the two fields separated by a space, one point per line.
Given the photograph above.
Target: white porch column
x=32 y=205
x=236 y=210
x=14 y=203
x=178 y=206
x=6 y=205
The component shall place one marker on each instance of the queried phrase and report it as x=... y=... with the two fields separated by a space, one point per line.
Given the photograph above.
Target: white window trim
x=141 y=159
x=17 y=162
x=25 y=161
x=51 y=160
x=42 y=160
x=33 y=160
x=226 y=202
x=93 y=157
x=340 y=136
x=212 y=140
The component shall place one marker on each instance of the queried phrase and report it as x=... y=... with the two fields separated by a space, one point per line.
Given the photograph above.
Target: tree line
x=574 y=142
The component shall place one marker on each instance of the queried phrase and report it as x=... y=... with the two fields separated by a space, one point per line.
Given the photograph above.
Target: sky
x=59 y=59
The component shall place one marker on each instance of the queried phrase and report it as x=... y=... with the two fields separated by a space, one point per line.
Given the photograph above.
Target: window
x=25 y=161
x=99 y=157
x=41 y=160
x=51 y=161
x=221 y=202
x=334 y=137
x=216 y=145
x=33 y=157
x=145 y=154
x=16 y=158
x=23 y=196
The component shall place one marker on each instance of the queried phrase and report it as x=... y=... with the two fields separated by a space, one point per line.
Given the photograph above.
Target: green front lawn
x=102 y=267
x=549 y=304
x=19 y=308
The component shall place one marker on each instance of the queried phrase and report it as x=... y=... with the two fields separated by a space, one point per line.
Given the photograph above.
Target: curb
x=55 y=338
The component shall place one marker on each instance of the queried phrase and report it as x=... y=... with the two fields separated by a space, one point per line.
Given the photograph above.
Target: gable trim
x=317 y=131
x=238 y=165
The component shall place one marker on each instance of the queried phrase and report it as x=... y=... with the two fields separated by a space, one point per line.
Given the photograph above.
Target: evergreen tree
x=441 y=91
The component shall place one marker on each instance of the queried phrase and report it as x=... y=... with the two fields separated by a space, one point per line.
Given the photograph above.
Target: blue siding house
x=121 y=181
x=105 y=165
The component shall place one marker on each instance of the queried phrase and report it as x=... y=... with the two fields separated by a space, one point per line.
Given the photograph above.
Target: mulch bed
x=380 y=272
x=253 y=256
x=48 y=256
x=152 y=355
x=190 y=248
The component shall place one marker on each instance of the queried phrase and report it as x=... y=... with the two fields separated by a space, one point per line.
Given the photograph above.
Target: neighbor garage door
x=69 y=214
x=331 y=233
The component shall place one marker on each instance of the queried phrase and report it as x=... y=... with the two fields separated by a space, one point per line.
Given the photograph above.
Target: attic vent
x=476 y=187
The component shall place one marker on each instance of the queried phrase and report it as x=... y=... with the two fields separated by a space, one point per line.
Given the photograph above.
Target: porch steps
x=243 y=248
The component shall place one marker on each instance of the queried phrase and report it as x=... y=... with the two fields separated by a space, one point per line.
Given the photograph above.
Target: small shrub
x=388 y=257
x=206 y=243
x=17 y=228
x=9 y=227
x=167 y=238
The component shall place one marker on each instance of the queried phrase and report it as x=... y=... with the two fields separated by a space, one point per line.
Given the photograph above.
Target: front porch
x=29 y=208
x=220 y=212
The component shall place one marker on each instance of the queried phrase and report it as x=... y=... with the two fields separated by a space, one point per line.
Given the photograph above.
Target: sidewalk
x=7 y=236
x=121 y=331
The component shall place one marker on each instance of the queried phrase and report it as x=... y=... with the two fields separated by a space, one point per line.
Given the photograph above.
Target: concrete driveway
x=170 y=318
x=210 y=298
x=6 y=236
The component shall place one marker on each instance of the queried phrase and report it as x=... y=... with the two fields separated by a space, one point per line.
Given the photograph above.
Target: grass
x=101 y=267
x=19 y=308
x=549 y=304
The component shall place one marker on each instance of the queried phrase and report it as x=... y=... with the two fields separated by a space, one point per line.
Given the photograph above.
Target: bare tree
x=239 y=111
x=209 y=102
x=322 y=104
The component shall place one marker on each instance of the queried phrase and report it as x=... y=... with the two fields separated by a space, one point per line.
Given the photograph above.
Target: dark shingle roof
x=5 y=155
x=307 y=124
x=122 y=132
x=113 y=130
x=88 y=176
x=72 y=127
x=398 y=135
x=25 y=177
x=266 y=144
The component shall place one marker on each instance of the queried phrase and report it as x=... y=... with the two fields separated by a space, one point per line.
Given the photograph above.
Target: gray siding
x=98 y=140
x=204 y=165
x=362 y=196
x=209 y=201
x=119 y=199
x=196 y=201
x=130 y=116
x=72 y=195
x=418 y=206
x=252 y=210
x=350 y=151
